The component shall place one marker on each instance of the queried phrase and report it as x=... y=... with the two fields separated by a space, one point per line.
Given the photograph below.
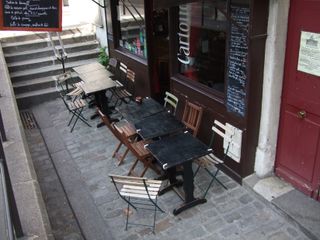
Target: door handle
x=302 y=114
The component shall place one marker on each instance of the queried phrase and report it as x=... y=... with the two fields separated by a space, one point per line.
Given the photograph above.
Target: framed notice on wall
x=31 y=15
x=309 y=53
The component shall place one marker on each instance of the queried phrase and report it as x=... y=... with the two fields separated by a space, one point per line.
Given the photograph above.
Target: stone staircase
x=32 y=64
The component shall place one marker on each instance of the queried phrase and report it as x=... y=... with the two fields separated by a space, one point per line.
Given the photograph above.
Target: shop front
x=209 y=52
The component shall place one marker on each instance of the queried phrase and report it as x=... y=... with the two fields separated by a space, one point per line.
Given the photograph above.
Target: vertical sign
x=237 y=62
x=31 y=15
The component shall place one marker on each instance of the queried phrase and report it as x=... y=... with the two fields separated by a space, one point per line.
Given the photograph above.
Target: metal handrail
x=131 y=13
x=2 y=132
x=12 y=215
x=6 y=202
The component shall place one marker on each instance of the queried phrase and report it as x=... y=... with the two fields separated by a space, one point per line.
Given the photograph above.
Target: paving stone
x=228 y=214
x=279 y=236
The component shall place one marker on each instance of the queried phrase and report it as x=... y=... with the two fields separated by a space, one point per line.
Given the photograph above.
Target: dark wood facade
x=214 y=104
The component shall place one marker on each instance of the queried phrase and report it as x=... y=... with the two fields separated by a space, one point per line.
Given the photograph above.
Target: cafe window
x=202 y=40
x=132 y=33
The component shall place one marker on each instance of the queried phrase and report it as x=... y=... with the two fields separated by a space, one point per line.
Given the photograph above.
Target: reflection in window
x=202 y=41
x=132 y=26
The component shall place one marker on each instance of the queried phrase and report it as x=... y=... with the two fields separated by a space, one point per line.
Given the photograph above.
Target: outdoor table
x=86 y=68
x=180 y=149
x=158 y=125
x=96 y=80
x=134 y=112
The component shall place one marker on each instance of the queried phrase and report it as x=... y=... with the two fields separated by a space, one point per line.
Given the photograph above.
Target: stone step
x=13 y=47
x=46 y=71
x=47 y=51
x=25 y=100
x=51 y=60
x=37 y=84
x=21 y=36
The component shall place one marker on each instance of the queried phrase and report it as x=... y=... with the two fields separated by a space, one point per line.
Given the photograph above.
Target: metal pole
x=14 y=215
x=2 y=132
x=6 y=203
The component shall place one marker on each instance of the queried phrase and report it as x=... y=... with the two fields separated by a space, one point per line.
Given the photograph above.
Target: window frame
x=117 y=33
x=219 y=96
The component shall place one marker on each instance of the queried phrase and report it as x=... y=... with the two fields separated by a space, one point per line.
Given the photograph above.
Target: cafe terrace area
x=73 y=168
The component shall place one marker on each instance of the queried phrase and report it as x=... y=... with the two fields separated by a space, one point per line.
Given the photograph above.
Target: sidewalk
x=83 y=162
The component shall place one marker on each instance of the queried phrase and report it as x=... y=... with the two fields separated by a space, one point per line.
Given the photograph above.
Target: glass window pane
x=202 y=38
x=132 y=26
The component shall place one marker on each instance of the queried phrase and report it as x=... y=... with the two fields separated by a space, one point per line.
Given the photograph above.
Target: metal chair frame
x=76 y=112
x=171 y=100
x=211 y=159
x=140 y=189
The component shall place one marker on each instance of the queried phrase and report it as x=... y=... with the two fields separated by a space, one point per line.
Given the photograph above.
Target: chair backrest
x=192 y=116
x=131 y=77
x=171 y=100
x=138 y=187
x=109 y=125
x=221 y=130
x=123 y=74
x=61 y=79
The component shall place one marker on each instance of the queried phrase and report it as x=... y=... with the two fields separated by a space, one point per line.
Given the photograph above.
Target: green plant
x=103 y=58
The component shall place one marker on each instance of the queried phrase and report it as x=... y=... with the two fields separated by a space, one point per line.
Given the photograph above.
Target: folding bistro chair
x=171 y=102
x=212 y=160
x=75 y=107
x=192 y=116
x=138 y=193
x=112 y=67
x=124 y=128
x=141 y=154
x=62 y=79
x=126 y=93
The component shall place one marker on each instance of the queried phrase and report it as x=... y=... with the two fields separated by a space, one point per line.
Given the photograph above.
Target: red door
x=298 y=153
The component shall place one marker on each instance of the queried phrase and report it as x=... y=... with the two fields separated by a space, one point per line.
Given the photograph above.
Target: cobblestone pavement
x=228 y=214
x=63 y=223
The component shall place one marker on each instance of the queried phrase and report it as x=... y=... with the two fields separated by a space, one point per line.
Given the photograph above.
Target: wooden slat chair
x=75 y=107
x=117 y=129
x=142 y=155
x=125 y=94
x=192 y=116
x=212 y=160
x=61 y=80
x=171 y=102
x=138 y=193
x=112 y=67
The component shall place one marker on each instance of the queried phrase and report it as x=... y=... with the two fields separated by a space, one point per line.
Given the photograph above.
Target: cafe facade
x=227 y=56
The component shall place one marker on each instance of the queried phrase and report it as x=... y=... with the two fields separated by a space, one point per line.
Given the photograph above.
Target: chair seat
x=75 y=92
x=140 y=191
x=78 y=84
x=140 y=149
x=208 y=160
x=122 y=93
x=128 y=130
x=78 y=103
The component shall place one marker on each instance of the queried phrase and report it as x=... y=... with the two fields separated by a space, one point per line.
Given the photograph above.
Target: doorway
x=160 y=53
x=298 y=151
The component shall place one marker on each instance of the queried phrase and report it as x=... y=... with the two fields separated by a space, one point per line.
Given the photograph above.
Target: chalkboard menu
x=237 y=62
x=31 y=15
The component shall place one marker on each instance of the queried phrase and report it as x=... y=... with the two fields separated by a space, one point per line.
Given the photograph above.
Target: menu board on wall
x=31 y=15
x=237 y=61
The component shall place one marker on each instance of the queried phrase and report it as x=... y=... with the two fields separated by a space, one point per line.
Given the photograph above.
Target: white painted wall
x=272 y=87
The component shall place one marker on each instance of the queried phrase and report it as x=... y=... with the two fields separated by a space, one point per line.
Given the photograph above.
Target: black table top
x=157 y=125
x=177 y=149
x=135 y=112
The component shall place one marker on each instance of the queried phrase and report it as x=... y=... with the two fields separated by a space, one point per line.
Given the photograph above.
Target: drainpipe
x=272 y=87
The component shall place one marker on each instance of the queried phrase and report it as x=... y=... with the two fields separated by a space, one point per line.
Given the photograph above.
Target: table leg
x=188 y=188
